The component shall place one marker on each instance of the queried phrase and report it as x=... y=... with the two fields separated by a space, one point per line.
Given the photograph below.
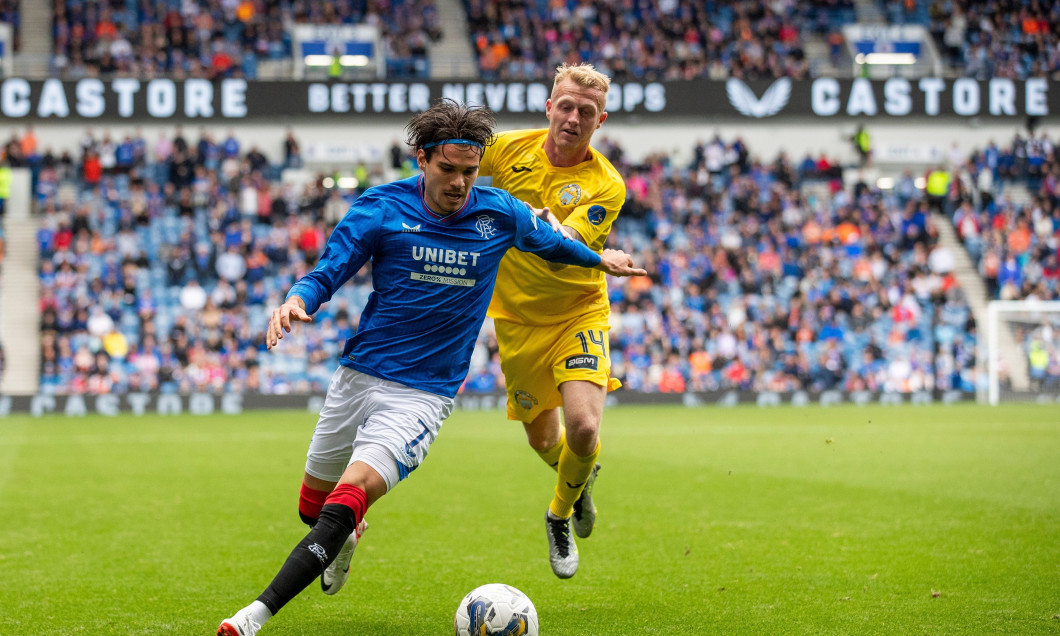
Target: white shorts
x=386 y=425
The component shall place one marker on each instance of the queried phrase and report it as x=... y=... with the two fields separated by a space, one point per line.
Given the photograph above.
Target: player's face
x=574 y=114
x=448 y=176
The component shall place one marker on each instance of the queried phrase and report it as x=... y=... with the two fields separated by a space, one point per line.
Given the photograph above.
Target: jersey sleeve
x=593 y=219
x=348 y=248
x=537 y=237
x=491 y=154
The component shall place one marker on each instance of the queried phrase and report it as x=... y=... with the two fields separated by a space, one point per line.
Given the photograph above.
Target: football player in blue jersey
x=435 y=243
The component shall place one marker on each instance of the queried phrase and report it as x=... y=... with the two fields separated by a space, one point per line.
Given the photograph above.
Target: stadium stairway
x=20 y=308
x=36 y=35
x=816 y=51
x=971 y=282
x=869 y=13
x=1018 y=194
x=452 y=56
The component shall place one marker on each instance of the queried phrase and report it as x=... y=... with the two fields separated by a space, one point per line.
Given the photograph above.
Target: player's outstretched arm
x=280 y=321
x=554 y=245
x=618 y=263
x=546 y=215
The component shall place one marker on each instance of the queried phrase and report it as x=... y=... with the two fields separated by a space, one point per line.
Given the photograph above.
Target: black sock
x=311 y=556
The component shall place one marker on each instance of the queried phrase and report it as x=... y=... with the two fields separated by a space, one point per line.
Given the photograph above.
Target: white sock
x=259 y=612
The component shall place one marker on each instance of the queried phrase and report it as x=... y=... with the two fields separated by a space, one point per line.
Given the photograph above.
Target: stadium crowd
x=160 y=258
x=648 y=40
x=521 y=39
x=759 y=286
x=9 y=14
x=222 y=38
x=991 y=38
x=1014 y=246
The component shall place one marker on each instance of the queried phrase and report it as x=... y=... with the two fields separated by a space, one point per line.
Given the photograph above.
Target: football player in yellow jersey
x=552 y=323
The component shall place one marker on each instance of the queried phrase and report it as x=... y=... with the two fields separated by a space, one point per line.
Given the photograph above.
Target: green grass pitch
x=843 y=520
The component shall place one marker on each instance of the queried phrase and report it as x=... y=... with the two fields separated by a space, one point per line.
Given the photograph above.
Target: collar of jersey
x=438 y=217
x=581 y=165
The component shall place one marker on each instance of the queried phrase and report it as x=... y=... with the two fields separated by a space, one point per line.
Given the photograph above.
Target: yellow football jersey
x=586 y=197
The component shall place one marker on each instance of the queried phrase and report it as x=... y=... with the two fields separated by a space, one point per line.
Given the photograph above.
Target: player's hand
x=280 y=322
x=618 y=263
x=546 y=215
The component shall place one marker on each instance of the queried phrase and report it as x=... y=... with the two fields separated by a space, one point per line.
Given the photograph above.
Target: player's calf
x=335 y=575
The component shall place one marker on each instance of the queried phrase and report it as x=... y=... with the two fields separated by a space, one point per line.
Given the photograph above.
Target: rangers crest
x=484 y=225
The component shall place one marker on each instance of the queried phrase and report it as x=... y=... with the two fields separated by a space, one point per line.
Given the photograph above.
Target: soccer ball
x=495 y=610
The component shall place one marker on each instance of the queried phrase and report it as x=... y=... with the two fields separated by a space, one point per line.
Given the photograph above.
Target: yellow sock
x=573 y=472
x=551 y=456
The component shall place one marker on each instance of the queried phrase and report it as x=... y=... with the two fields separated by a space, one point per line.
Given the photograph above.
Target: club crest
x=484 y=225
x=570 y=194
x=525 y=400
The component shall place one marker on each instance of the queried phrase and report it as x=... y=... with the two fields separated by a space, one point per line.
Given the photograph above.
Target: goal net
x=1022 y=351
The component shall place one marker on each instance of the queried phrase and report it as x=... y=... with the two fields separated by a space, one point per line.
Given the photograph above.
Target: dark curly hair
x=447 y=119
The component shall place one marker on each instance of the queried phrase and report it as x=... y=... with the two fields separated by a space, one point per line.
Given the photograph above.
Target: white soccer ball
x=495 y=609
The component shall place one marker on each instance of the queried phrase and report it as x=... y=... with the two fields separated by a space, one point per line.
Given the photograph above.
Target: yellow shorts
x=536 y=360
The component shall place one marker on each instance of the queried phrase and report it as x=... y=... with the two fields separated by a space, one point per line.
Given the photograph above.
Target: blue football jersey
x=432 y=277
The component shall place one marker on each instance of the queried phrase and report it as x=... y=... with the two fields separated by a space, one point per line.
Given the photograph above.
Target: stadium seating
x=987 y=38
x=1012 y=238
x=1005 y=206
x=122 y=258
x=164 y=282
x=208 y=38
x=9 y=14
x=657 y=40
x=756 y=287
x=161 y=256
x=526 y=39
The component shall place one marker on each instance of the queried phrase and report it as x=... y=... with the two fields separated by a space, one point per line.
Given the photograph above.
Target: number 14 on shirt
x=594 y=336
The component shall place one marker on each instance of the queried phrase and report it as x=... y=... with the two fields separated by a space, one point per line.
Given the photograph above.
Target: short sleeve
x=490 y=155
x=594 y=218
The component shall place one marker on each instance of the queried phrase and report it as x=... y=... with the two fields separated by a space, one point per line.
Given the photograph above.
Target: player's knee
x=582 y=433
x=543 y=433
x=541 y=443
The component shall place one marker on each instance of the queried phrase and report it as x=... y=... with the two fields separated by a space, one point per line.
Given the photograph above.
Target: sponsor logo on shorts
x=525 y=400
x=583 y=362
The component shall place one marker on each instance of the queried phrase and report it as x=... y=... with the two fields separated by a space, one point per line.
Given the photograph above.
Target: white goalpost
x=1020 y=336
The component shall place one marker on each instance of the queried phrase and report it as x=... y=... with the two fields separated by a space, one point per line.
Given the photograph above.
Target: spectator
x=205 y=39
x=656 y=41
x=752 y=288
x=193 y=296
x=292 y=151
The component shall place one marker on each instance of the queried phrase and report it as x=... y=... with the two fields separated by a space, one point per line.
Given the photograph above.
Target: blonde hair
x=584 y=75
